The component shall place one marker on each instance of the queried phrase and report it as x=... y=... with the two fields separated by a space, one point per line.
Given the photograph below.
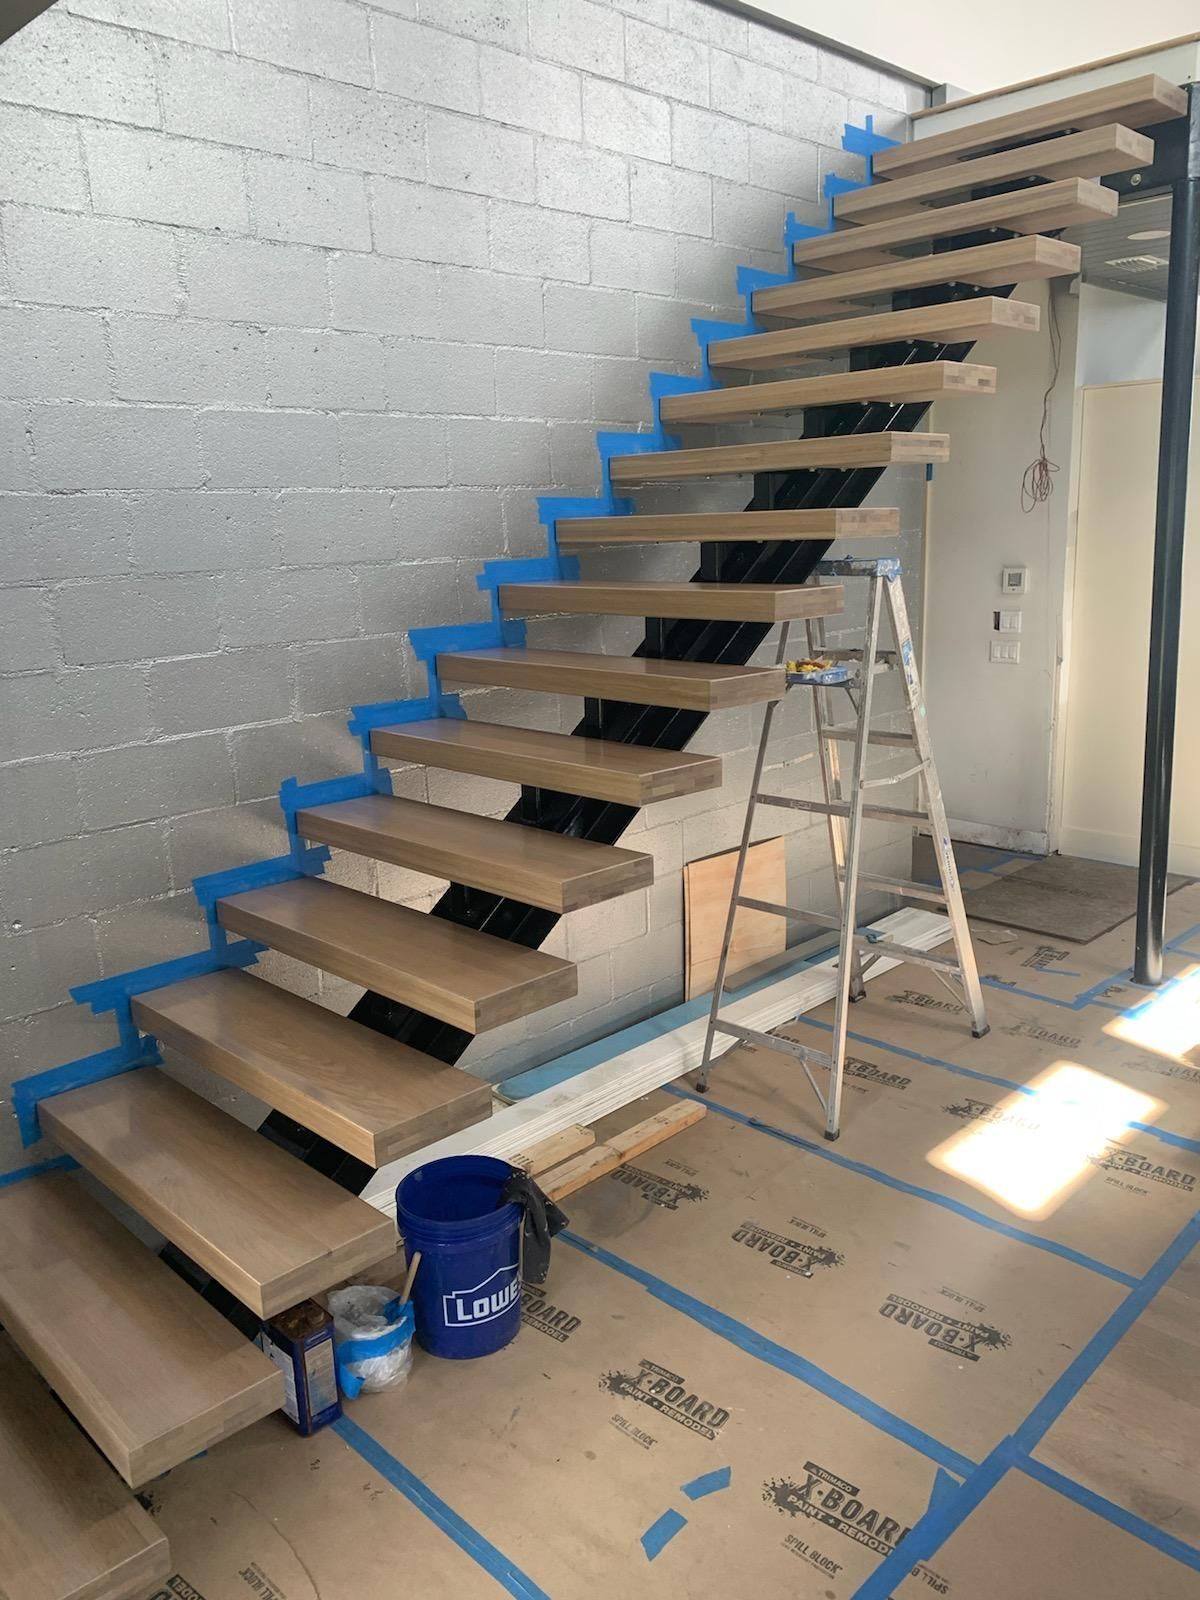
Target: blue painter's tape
x=421 y=708
x=1186 y=1554
x=776 y=1355
x=28 y=1092
x=710 y=1482
x=53 y=1164
x=661 y=1532
x=865 y=141
x=902 y=1186
x=468 y=1539
x=945 y=1484
x=213 y=886
x=427 y=643
x=107 y=993
x=294 y=796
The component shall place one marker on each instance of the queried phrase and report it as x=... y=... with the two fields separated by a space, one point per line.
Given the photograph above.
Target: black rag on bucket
x=543 y=1220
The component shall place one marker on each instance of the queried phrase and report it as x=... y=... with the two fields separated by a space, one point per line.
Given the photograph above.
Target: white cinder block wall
x=301 y=303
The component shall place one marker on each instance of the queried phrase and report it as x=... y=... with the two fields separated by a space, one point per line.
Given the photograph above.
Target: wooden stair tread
x=1053 y=205
x=366 y=1093
x=1137 y=103
x=1092 y=154
x=69 y=1528
x=918 y=380
x=731 y=602
x=146 y=1366
x=638 y=680
x=529 y=864
x=262 y=1223
x=783 y=455
x=469 y=979
x=989 y=266
x=955 y=322
x=602 y=769
x=705 y=527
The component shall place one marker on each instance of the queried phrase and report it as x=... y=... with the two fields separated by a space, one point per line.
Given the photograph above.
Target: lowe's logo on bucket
x=491 y=1298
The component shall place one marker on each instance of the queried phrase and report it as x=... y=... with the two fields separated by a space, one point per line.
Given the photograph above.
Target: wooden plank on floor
x=618 y=1148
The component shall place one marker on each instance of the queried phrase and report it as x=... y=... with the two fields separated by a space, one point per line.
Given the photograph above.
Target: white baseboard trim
x=628 y=1074
x=1027 y=840
x=1099 y=845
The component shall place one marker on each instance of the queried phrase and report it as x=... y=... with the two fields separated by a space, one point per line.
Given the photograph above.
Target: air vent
x=1138 y=263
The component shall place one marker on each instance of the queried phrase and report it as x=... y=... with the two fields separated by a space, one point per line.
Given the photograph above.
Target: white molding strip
x=629 y=1074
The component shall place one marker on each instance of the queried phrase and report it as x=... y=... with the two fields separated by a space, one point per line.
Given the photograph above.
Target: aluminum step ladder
x=845 y=805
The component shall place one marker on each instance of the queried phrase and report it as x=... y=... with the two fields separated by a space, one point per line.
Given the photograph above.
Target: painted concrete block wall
x=301 y=304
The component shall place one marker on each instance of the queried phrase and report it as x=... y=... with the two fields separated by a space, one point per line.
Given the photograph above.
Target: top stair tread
x=69 y=1528
x=1137 y=103
x=269 y=1228
x=1052 y=205
x=467 y=978
x=530 y=864
x=147 y=1367
x=640 y=680
x=627 y=774
x=721 y=526
x=368 y=1094
x=1094 y=153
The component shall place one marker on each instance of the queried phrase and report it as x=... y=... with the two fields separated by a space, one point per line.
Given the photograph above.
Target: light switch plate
x=1006 y=651
x=1007 y=621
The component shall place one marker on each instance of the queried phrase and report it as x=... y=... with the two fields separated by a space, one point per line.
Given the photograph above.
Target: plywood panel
x=707 y=886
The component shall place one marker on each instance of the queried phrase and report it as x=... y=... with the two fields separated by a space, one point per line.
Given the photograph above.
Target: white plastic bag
x=372 y=1338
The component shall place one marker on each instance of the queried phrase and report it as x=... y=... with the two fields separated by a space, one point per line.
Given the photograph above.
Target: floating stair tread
x=469 y=979
x=145 y=1365
x=989 y=266
x=69 y=1528
x=1053 y=205
x=602 y=769
x=269 y=1228
x=1137 y=103
x=718 y=527
x=506 y=858
x=724 y=602
x=638 y=680
x=1091 y=154
x=783 y=455
x=367 y=1094
x=956 y=322
x=919 y=380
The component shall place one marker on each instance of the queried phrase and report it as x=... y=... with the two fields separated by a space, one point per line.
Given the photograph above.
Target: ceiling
x=1115 y=259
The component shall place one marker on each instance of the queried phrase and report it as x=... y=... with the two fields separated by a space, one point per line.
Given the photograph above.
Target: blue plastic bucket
x=467 y=1291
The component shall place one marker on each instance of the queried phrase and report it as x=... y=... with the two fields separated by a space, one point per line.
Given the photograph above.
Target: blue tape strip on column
x=775 y=1355
x=661 y=1532
x=28 y=1092
x=418 y=1494
x=902 y=1186
x=1188 y=1555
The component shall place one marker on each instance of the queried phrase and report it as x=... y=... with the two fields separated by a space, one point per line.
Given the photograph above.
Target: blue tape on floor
x=1179 y=1140
x=53 y=1164
x=776 y=1355
x=661 y=1532
x=468 y=1539
x=1187 y=1554
x=710 y=1482
x=959 y=1209
x=945 y=1484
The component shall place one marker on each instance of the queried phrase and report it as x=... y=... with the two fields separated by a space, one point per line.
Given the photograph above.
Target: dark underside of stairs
x=729 y=642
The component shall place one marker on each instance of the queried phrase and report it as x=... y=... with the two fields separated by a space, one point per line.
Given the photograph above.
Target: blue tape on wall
x=28 y=1092
x=53 y=1164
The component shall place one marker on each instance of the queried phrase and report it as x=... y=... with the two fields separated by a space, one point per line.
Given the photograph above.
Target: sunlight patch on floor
x=1034 y=1150
x=1168 y=1023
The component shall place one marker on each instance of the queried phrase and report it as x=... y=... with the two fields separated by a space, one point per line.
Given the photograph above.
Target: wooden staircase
x=166 y=1375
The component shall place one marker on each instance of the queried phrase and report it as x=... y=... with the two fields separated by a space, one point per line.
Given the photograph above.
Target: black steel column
x=1179 y=366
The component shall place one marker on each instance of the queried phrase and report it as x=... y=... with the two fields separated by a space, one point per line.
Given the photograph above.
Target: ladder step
x=1092 y=154
x=366 y=1093
x=785 y=455
x=602 y=769
x=721 y=602
x=771 y=1041
x=904 y=952
x=146 y=1366
x=469 y=979
x=905 y=886
x=1066 y=204
x=1138 y=103
x=879 y=736
x=539 y=868
x=956 y=322
x=705 y=527
x=987 y=265
x=270 y=1229
x=69 y=1528
x=638 y=680
x=921 y=380
x=841 y=808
